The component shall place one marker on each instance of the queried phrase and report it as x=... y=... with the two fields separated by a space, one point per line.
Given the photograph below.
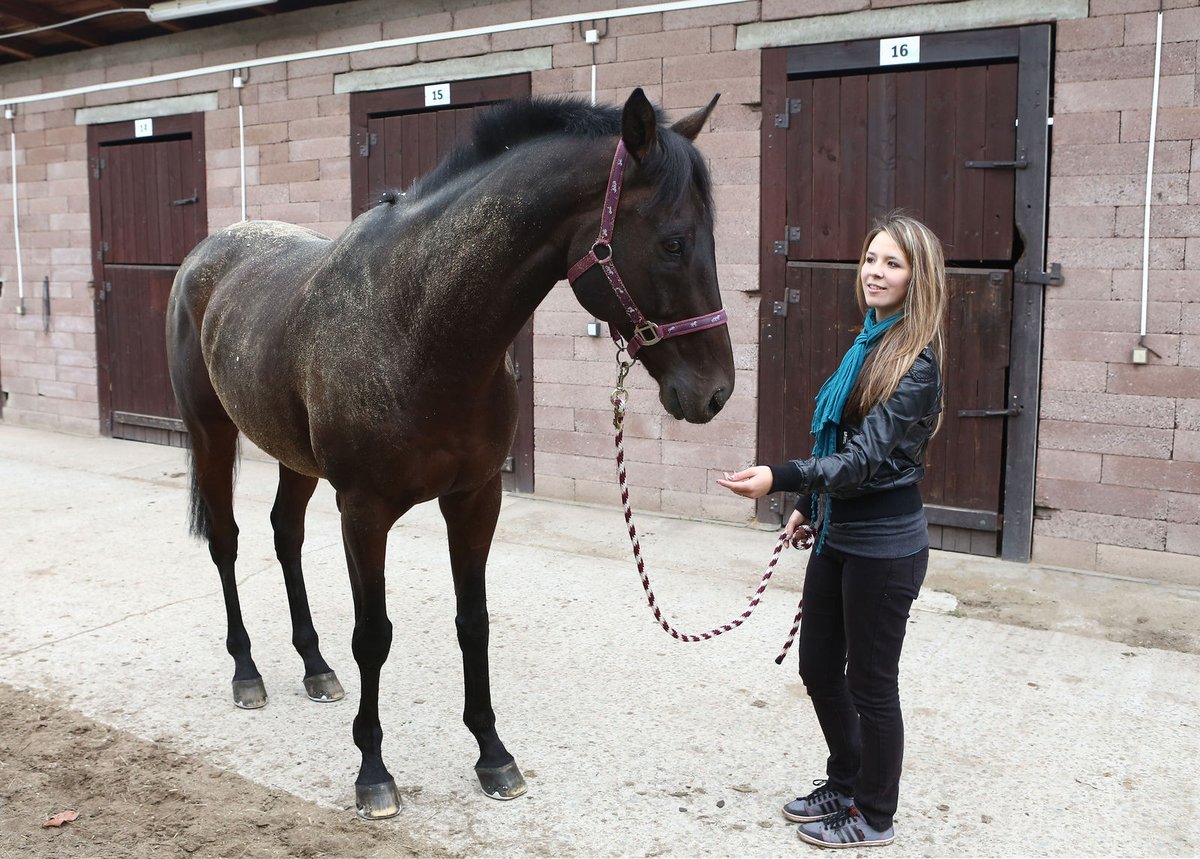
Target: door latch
x=1012 y=411
x=1053 y=277
x=1020 y=164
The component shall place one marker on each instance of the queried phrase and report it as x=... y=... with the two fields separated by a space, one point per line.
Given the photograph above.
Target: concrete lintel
x=173 y=106
x=464 y=68
x=905 y=21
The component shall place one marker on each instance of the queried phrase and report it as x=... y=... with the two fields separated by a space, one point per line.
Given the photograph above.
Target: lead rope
x=802 y=538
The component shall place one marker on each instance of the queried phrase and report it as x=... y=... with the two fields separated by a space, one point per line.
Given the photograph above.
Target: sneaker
x=845 y=828
x=822 y=802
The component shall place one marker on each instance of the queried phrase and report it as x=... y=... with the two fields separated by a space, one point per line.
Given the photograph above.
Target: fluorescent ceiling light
x=186 y=8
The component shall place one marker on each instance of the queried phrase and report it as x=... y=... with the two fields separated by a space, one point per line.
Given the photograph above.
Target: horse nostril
x=719 y=398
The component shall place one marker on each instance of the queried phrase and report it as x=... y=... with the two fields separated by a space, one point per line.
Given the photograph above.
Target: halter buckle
x=639 y=334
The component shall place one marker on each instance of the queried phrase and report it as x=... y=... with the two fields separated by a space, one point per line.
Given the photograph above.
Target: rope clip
x=620 y=394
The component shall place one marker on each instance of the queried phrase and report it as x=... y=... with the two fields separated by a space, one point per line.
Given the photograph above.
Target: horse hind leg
x=287 y=519
x=213 y=461
x=470 y=525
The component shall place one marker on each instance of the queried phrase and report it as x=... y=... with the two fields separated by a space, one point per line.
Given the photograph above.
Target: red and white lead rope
x=801 y=539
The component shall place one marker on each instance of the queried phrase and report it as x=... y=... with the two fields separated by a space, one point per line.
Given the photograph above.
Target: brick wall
x=1118 y=471
x=50 y=376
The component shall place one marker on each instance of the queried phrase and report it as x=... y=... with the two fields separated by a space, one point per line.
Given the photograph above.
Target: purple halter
x=645 y=333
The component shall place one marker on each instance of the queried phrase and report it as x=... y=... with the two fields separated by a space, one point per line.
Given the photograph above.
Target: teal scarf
x=831 y=399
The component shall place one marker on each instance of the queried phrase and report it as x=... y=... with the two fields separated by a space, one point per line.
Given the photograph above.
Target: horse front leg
x=470 y=525
x=365 y=525
x=287 y=519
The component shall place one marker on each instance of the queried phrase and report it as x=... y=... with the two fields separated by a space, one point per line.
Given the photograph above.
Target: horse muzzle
x=696 y=403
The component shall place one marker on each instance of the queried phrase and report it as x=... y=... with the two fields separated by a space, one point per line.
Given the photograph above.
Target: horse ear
x=639 y=125
x=691 y=124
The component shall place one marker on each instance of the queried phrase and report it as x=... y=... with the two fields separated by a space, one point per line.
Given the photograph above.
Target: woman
x=874 y=417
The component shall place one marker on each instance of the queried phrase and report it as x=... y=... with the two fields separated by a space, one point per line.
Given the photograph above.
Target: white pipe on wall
x=238 y=84
x=1150 y=176
x=12 y=140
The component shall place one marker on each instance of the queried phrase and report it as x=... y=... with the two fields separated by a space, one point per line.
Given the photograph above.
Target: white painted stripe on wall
x=171 y=106
x=461 y=68
x=905 y=21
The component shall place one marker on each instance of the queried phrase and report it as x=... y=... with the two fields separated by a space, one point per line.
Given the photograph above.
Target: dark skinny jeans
x=855 y=614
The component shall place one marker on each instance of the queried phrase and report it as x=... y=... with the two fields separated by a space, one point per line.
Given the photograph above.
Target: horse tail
x=199 y=519
x=200 y=522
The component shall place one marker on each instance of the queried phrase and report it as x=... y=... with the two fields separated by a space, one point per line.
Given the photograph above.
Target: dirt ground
x=1133 y=612
x=139 y=799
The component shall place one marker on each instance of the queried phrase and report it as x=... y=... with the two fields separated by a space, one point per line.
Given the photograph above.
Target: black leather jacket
x=885 y=451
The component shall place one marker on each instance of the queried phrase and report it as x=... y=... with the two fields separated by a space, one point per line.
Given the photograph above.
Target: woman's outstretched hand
x=754 y=482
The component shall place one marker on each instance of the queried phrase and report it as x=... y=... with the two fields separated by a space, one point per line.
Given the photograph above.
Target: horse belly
x=429 y=441
x=265 y=413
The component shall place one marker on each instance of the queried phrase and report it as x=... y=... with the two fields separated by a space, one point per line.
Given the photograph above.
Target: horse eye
x=673 y=246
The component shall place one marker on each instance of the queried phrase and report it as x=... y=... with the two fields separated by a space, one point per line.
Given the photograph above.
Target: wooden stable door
x=861 y=145
x=147 y=214
x=398 y=138
x=938 y=143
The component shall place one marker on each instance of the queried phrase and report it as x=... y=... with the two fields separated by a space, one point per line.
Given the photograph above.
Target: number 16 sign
x=903 y=50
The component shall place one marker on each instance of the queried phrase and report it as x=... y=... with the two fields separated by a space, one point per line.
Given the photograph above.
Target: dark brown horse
x=378 y=361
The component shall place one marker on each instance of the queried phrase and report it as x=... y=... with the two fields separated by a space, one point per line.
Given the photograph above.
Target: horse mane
x=675 y=165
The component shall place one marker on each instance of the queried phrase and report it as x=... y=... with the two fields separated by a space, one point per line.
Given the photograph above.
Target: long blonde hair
x=924 y=311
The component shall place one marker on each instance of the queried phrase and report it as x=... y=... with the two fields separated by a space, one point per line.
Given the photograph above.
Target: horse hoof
x=504 y=782
x=377 y=801
x=324 y=688
x=250 y=694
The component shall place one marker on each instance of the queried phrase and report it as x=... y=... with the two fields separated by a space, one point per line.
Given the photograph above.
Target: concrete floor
x=1021 y=741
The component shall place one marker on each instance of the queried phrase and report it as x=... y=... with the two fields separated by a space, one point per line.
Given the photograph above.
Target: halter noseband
x=645 y=332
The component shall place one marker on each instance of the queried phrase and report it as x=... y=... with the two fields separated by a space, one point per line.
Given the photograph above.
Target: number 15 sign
x=903 y=50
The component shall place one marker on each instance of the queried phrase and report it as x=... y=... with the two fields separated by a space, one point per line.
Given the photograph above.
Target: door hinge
x=369 y=140
x=102 y=251
x=1053 y=277
x=516 y=372
x=779 y=308
x=105 y=289
x=99 y=166
x=790 y=106
x=792 y=235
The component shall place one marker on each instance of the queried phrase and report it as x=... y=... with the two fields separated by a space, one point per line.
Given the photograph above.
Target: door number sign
x=437 y=95
x=893 y=52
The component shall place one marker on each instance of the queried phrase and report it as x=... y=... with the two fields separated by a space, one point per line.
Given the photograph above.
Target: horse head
x=651 y=272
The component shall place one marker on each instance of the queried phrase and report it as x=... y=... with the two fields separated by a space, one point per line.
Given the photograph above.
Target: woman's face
x=885 y=275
